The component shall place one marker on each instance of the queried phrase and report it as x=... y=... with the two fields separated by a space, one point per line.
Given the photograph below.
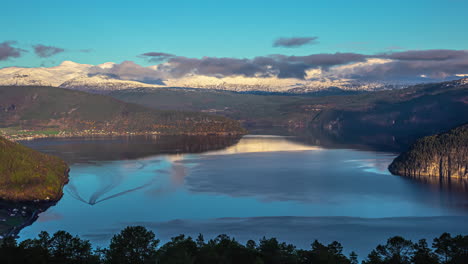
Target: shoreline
x=15 y=137
x=38 y=205
x=23 y=209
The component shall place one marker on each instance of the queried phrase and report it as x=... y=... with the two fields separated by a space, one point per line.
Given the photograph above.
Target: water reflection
x=253 y=166
x=451 y=193
x=363 y=140
x=94 y=149
x=267 y=168
x=449 y=184
x=107 y=179
x=255 y=144
x=251 y=178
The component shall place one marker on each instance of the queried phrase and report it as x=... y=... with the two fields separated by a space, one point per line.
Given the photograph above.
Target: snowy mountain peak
x=69 y=63
x=128 y=75
x=106 y=65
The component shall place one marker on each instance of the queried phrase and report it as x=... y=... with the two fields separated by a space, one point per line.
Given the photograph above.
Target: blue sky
x=120 y=30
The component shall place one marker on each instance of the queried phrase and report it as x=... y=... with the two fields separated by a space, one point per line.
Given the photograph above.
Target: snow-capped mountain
x=69 y=75
x=102 y=83
x=243 y=84
x=111 y=76
x=53 y=76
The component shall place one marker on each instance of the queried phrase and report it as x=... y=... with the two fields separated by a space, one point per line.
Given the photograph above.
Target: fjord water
x=249 y=188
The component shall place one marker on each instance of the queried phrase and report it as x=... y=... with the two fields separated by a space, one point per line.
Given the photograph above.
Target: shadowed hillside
x=412 y=112
x=55 y=111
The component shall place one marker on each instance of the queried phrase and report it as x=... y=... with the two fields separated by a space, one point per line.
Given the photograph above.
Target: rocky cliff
x=443 y=155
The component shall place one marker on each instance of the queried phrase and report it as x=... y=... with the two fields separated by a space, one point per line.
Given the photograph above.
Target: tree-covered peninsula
x=443 y=155
x=27 y=175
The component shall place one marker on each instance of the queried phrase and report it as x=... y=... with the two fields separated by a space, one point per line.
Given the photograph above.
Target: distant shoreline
x=15 y=137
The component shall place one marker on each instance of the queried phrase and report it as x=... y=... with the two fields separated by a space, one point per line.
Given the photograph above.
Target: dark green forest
x=137 y=245
x=444 y=155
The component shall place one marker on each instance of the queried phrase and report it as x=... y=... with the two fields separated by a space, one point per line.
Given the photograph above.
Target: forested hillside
x=443 y=155
x=54 y=111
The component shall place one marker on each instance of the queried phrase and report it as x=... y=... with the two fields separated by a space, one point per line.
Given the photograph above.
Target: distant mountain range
x=341 y=107
x=67 y=75
x=107 y=77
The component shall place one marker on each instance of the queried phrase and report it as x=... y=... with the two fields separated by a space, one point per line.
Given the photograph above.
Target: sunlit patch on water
x=258 y=177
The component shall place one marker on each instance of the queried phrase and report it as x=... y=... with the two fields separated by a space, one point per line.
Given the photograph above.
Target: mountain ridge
x=88 y=77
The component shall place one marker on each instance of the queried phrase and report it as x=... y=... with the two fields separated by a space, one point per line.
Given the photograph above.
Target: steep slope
x=428 y=107
x=443 y=155
x=62 y=111
x=27 y=175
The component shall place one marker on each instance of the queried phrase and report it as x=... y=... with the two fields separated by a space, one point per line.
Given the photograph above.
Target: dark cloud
x=263 y=66
x=46 y=51
x=325 y=60
x=402 y=70
x=85 y=50
x=156 y=56
x=405 y=65
x=131 y=71
x=212 y=66
x=7 y=50
x=426 y=55
x=294 y=42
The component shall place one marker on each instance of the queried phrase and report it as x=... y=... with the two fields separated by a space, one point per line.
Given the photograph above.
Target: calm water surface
x=260 y=185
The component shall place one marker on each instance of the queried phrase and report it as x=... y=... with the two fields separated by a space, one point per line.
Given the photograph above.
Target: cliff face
x=27 y=175
x=443 y=155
